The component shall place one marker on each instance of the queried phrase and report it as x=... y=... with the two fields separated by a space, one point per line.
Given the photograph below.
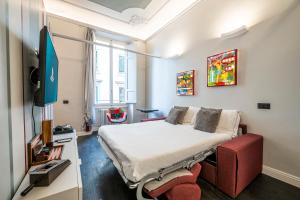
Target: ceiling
x=121 y=5
x=139 y=19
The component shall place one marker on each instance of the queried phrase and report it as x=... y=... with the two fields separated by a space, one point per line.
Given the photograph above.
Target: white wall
x=268 y=70
x=70 y=74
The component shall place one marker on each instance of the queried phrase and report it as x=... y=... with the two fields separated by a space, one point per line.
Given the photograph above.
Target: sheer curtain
x=89 y=87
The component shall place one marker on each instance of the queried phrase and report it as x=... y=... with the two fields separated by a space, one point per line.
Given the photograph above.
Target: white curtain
x=89 y=88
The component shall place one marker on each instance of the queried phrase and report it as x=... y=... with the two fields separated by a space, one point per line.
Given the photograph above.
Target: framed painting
x=185 y=83
x=222 y=69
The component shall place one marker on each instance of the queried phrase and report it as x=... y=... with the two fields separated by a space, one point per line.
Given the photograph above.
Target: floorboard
x=101 y=180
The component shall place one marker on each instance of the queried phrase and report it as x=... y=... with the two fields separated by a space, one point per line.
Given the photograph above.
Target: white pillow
x=229 y=122
x=190 y=115
x=236 y=127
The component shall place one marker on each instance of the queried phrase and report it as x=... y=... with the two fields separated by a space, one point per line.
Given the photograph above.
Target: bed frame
x=187 y=163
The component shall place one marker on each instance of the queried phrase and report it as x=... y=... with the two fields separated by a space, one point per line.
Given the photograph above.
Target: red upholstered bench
x=239 y=161
x=179 y=185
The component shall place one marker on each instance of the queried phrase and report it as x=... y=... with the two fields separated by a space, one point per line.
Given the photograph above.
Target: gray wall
x=268 y=71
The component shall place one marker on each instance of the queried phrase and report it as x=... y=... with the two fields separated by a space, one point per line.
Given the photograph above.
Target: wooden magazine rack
x=34 y=152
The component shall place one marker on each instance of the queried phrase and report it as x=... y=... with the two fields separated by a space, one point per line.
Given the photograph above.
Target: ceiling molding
x=125 y=16
x=121 y=5
x=157 y=17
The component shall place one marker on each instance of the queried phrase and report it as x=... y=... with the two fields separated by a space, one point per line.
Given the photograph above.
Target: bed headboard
x=243 y=127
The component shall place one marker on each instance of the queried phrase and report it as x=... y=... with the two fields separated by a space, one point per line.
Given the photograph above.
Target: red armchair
x=116 y=115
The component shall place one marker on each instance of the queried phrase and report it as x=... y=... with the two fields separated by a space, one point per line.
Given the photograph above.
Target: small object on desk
x=146 y=110
x=46 y=174
x=63 y=129
x=63 y=140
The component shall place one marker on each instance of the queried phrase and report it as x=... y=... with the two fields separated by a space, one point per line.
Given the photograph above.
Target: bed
x=145 y=151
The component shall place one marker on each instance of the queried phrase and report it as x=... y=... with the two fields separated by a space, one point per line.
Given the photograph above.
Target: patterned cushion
x=116 y=113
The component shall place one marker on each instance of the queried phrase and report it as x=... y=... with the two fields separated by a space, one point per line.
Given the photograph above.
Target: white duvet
x=144 y=148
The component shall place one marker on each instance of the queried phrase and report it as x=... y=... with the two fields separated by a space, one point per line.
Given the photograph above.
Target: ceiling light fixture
x=235 y=33
x=137 y=20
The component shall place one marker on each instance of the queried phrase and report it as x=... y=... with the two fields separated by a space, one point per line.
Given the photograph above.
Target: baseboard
x=83 y=133
x=280 y=175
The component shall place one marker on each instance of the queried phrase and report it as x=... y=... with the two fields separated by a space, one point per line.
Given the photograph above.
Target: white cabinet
x=67 y=185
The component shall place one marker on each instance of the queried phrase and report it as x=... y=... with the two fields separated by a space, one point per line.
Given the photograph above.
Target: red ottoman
x=179 y=185
x=239 y=161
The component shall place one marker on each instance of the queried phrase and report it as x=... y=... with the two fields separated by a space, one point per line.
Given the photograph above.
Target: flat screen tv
x=48 y=71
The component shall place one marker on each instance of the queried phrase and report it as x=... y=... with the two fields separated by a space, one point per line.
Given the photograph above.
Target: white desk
x=67 y=186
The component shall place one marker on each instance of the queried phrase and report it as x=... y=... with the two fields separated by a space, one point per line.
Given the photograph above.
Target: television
x=47 y=72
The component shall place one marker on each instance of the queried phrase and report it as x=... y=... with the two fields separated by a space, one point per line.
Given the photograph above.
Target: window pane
x=102 y=77
x=119 y=76
x=122 y=94
x=121 y=63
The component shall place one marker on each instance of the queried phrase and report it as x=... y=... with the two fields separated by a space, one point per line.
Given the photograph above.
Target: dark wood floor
x=101 y=180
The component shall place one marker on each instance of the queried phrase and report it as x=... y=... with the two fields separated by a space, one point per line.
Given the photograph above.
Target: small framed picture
x=185 y=83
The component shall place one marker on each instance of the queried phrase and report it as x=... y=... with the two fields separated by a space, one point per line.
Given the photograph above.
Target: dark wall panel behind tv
x=32 y=19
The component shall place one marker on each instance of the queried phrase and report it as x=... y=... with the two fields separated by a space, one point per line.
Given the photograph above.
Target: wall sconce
x=235 y=33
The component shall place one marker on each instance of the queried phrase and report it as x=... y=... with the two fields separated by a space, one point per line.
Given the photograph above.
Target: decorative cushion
x=207 y=119
x=229 y=122
x=190 y=115
x=116 y=113
x=173 y=116
x=184 y=110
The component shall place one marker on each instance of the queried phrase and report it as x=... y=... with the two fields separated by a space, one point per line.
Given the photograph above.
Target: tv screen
x=48 y=71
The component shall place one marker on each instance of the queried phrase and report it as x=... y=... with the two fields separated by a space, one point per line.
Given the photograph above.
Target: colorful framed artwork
x=222 y=69
x=185 y=83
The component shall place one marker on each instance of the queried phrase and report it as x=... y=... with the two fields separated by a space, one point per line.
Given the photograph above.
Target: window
x=98 y=92
x=102 y=75
x=111 y=75
x=122 y=94
x=121 y=63
x=97 y=61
